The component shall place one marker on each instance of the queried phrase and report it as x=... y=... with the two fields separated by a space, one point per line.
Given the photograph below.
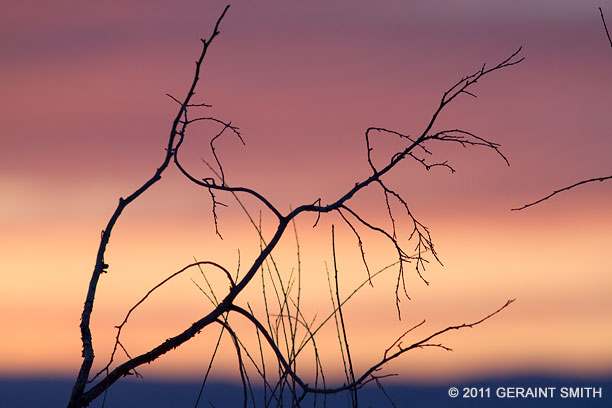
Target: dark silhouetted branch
x=461 y=137
x=603 y=20
x=76 y=398
x=414 y=147
x=127 y=316
x=554 y=193
x=368 y=375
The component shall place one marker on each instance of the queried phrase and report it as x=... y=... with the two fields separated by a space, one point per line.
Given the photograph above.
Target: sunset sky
x=85 y=120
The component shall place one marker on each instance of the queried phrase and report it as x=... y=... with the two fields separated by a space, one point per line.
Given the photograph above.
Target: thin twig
x=562 y=190
x=397 y=342
x=351 y=377
x=605 y=26
x=241 y=367
x=210 y=364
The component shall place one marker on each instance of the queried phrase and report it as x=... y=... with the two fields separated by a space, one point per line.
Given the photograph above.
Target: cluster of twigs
x=280 y=331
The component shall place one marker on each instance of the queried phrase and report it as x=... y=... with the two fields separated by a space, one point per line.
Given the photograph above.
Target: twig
x=210 y=364
x=605 y=26
x=397 y=342
x=351 y=376
x=562 y=190
x=359 y=243
x=241 y=368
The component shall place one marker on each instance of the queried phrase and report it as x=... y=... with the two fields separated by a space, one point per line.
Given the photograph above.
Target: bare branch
x=219 y=183
x=241 y=367
x=603 y=20
x=271 y=343
x=88 y=350
x=420 y=344
x=367 y=376
x=382 y=389
x=212 y=147
x=190 y=332
x=465 y=138
x=462 y=137
x=359 y=243
x=562 y=190
x=463 y=84
x=397 y=342
x=447 y=97
x=210 y=184
x=554 y=193
x=127 y=316
x=195 y=105
x=351 y=372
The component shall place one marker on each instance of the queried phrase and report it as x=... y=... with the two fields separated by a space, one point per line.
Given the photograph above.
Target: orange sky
x=85 y=119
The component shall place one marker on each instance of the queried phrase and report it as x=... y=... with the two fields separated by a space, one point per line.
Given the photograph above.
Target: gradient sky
x=85 y=118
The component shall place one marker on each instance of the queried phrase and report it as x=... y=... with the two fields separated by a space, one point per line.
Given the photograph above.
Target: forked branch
x=413 y=148
x=76 y=398
x=368 y=375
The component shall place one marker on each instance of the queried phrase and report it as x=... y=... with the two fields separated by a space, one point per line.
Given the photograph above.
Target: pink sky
x=85 y=119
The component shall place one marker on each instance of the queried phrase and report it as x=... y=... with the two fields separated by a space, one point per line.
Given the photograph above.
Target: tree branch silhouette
x=367 y=375
x=586 y=181
x=100 y=265
x=416 y=148
x=554 y=193
x=603 y=20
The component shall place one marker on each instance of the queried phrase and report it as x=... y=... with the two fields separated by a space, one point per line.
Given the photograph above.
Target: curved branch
x=464 y=137
x=241 y=367
x=127 y=316
x=214 y=152
x=359 y=243
x=271 y=343
x=458 y=88
x=365 y=377
x=174 y=342
x=554 y=193
x=464 y=83
x=81 y=398
x=100 y=266
x=210 y=184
